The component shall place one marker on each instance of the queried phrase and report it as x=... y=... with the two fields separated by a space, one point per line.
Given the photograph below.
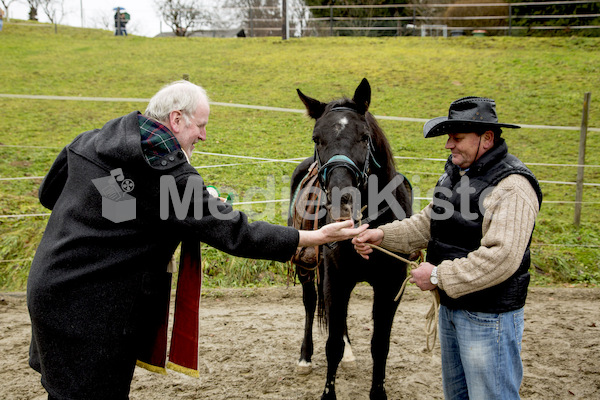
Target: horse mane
x=383 y=151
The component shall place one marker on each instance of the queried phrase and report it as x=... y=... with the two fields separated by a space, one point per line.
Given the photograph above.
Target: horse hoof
x=304 y=368
x=328 y=395
x=349 y=364
x=378 y=393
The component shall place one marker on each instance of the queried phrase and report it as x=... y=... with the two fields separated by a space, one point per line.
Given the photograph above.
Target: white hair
x=181 y=96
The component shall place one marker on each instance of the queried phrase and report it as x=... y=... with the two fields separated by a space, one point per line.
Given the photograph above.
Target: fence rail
x=426 y=14
x=466 y=5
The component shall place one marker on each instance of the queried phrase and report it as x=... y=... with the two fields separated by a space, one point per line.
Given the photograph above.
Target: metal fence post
x=330 y=21
x=285 y=26
x=581 y=160
x=509 y=19
x=251 y=21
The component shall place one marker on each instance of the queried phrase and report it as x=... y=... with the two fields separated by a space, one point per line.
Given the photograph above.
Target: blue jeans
x=481 y=354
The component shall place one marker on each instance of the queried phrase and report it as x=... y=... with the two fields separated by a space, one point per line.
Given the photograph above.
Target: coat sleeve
x=54 y=181
x=219 y=225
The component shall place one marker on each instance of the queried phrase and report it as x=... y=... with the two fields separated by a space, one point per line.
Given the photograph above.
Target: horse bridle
x=340 y=160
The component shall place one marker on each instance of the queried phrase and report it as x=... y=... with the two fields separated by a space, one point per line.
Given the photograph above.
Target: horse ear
x=314 y=107
x=362 y=96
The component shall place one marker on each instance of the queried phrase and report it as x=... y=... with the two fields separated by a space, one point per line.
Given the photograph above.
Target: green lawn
x=535 y=81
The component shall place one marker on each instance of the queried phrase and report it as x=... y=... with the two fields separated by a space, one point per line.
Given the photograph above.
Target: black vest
x=456 y=227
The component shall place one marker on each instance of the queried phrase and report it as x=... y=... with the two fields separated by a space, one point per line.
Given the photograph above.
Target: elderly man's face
x=191 y=131
x=465 y=148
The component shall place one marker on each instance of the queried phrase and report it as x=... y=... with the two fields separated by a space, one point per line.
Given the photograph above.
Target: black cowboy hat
x=468 y=114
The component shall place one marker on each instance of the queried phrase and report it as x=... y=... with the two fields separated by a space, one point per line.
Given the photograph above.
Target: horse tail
x=321 y=309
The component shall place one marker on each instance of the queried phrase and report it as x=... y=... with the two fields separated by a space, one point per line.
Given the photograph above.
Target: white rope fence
x=272 y=160
x=296 y=160
x=255 y=107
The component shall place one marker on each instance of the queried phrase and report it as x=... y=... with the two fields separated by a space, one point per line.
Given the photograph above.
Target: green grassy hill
x=535 y=81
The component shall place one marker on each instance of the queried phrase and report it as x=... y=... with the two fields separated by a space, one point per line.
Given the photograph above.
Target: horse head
x=348 y=150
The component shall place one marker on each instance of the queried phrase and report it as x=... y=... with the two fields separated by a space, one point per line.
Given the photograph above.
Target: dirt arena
x=250 y=341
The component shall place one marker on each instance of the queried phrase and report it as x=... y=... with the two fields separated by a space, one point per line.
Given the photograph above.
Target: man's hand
x=420 y=276
x=333 y=232
x=372 y=236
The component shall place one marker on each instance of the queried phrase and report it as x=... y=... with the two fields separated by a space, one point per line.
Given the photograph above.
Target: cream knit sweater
x=510 y=212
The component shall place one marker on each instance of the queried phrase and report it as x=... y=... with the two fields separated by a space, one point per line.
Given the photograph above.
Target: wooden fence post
x=581 y=160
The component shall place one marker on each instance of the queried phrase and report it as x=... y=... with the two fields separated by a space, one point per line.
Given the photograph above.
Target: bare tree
x=263 y=17
x=54 y=9
x=6 y=4
x=360 y=17
x=298 y=16
x=258 y=17
x=103 y=20
x=183 y=16
x=428 y=14
x=498 y=15
x=33 y=9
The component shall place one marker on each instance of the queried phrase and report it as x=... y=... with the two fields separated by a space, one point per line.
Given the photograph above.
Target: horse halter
x=340 y=160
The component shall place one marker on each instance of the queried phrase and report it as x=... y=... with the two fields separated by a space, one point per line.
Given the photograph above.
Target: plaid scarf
x=157 y=139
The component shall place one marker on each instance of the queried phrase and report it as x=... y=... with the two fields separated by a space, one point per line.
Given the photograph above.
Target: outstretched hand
x=362 y=241
x=344 y=230
x=333 y=232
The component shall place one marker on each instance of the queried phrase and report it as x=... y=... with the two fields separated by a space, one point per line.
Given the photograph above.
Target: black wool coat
x=95 y=284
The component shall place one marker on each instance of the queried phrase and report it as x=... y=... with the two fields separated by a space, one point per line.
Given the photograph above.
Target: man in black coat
x=100 y=272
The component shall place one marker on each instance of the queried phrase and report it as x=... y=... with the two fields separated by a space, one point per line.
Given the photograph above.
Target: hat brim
x=442 y=125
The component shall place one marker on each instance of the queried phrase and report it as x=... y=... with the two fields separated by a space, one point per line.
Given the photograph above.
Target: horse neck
x=387 y=172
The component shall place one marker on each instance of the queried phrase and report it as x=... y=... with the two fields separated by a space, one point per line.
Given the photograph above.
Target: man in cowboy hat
x=477 y=232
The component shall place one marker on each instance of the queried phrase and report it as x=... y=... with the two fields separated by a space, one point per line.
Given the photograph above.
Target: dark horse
x=354 y=167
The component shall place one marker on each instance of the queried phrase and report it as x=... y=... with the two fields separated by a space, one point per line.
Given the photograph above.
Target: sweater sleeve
x=409 y=234
x=510 y=212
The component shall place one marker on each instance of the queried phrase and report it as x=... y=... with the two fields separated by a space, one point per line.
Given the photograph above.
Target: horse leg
x=309 y=298
x=384 y=308
x=348 y=359
x=337 y=311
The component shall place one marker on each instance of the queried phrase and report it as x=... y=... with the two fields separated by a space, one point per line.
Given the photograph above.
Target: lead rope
x=431 y=318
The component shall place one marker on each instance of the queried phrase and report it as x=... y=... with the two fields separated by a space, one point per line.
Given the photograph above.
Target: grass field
x=535 y=81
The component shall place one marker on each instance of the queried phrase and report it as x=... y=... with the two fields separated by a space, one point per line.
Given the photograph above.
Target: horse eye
x=364 y=138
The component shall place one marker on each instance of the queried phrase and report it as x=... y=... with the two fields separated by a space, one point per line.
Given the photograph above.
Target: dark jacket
x=456 y=236
x=94 y=283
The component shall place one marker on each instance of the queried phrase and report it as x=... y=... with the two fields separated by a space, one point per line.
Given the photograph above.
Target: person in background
x=477 y=231
x=1 y=18
x=118 y=23
x=124 y=21
x=95 y=284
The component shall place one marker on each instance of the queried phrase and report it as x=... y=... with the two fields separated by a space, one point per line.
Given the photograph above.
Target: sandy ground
x=250 y=341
